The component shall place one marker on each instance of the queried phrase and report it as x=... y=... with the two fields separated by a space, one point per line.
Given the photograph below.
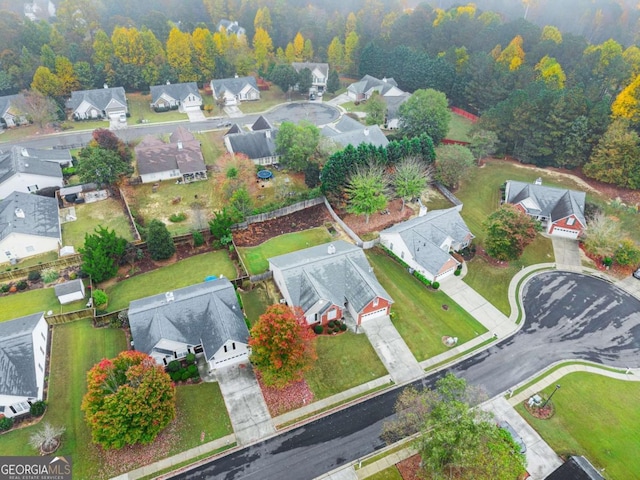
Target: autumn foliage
x=129 y=400
x=509 y=231
x=282 y=345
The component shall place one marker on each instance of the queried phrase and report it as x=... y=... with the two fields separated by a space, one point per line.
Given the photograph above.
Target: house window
x=30 y=249
x=233 y=345
x=391 y=246
x=571 y=221
x=43 y=337
x=332 y=314
x=40 y=367
x=225 y=349
x=375 y=302
x=32 y=188
x=41 y=349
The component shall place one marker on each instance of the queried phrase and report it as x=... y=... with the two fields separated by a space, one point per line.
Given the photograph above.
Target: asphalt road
x=568 y=316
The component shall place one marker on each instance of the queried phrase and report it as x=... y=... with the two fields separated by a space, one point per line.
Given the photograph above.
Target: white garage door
x=565 y=233
x=375 y=314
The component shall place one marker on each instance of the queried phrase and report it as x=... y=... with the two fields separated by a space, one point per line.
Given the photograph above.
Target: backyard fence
x=70 y=316
x=370 y=244
x=132 y=221
x=105 y=319
x=261 y=277
x=449 y=196
x=281 y=212
x=344 y=226
x=465 y=114
x=68 y=261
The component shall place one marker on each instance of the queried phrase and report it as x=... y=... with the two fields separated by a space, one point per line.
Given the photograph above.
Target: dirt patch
x=257 y=233
x=377 y=221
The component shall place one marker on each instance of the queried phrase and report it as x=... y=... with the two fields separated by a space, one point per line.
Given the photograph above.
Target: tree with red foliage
x=129 y=400
x=108 y=140
x=509 y=231
x=282 y=345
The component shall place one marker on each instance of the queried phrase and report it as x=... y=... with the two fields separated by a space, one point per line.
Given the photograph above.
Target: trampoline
x=265 y=174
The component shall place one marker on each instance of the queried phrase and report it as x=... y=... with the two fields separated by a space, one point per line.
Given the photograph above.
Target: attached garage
x=375 y=314
x=565 y=233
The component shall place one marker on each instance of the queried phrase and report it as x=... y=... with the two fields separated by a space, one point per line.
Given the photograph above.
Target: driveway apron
x=392 y=350
x=196 y=116
x=567 y=253
x=246 y=406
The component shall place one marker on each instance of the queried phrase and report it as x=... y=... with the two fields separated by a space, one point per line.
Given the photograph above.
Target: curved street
x=568 y=316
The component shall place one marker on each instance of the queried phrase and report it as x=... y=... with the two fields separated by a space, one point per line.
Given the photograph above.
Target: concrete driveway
x=567 y=253
x=392 y=350
x=196 y=115
x=246 y=406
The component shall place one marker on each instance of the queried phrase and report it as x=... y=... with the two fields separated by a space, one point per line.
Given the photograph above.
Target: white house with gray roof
x=184 y=96
x=330 y=280
x=108 y=103
x=204 y=318
x=9 y=113
x=348 y=131
x=23 y=353
x=425 y=243
x=235 y=90
x=29 y=170
x=319 y=73
x=560 y=210
x=29 y=225
x=361 y=90
x=258 y=144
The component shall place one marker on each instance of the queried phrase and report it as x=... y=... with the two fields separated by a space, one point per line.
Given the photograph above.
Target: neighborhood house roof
x=368 y=83
x=323 y=68
x=205 y=314
x=29 y=214
x=5 y=103
x=424 y=236
x=15 y=161
x=317 y=279
x=68 y=287
x=99 y=97
x=575 y=468
x=178 y=91
x=181 y=153
x=231 y=27
x=551 y=202
x=232 y=85
x=259 y=144
x=348 y=131
x=393 y=104
x=261 y=123
x=17 y=363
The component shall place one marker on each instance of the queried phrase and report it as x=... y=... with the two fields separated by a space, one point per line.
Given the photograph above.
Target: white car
x=122 y=118
x=636 y=274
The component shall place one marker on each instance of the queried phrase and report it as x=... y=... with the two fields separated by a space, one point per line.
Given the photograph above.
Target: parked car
x=224 y=124
x=122 y=118
x=636 y=274
x=516 y=438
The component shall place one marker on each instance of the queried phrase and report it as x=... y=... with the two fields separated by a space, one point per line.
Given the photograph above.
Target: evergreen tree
x=159 y=241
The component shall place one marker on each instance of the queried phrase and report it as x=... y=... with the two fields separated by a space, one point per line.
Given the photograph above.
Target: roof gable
x=99 y=98
x=554 y=203
x=260 y=144
x=232 y=85
x=182 y=153
x=29 y=214
x=68 y=287
x=177 y=91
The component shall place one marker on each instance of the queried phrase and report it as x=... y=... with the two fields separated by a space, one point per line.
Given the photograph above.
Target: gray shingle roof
x=153 y=155
x=15 y=161
x=261 y=123
x=552 y=202
x=46 y=155
x=317 y=279
x=254 y=145
x=575 y=468
x=393 y=104
x=323 y=67
x=177 y=91
x=368 y=82
x=29 y=214
x=348 y=131
x=232 y=85
x=68 y=287
x=5 y=103
x=17 y=363
x=99 y=97
x=424 y=235
x=205 y=314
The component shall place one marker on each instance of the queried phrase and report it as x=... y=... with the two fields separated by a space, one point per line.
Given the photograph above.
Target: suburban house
x=361 y=90
x=204 y=318
x=319 y=73
x=107 y=103
x=424 y=243
x=235 y=90
x=23 y=353
x=576 y=467
x=392 y=117
x=29 y=170
x=29 y=225
x=181 y=159
x=68 y=292
x=348 y=131
x=561 y=211
x=259 y=144
x=329 y=281
x=9 y=114
x=232 y=28
x=182 y=96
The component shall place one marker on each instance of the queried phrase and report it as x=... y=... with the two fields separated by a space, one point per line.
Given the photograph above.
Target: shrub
x=5 y=288
x=49 y=275
x=318 y=329
x=22 y=285
x=195 y=374
x=6 y=423
x=73 y=276
x=198 y=239
x=37 y=408
x=13 y=289
x=435 y=285
x=190 y=358
x=175 y=376
x=185 y=375
x=607 y=261
x=331 y=323
x=100 y=298
x=457 y=273
x=34 y=276
x=422 y=278
x=173 y=366
x=178 y=217
x=192 y=368
x=343 y=327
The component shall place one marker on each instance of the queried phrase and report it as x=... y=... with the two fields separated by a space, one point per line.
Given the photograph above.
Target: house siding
x=20 y=182
x=18 y=243
x=394 y=242
x=561 y=228
x=371 y=307
x=160 y=176
x=230 y=353
x=325 y=316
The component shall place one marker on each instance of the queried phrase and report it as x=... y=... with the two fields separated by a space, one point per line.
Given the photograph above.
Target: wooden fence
x=70 y=316
x=132 y=221
x=105 y=320
x=465 y=114
x=281 y=212
x=344 y=226
x=68 y=261
x=449 y=196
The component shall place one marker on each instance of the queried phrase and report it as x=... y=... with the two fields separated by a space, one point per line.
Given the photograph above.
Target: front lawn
x=344 y=361
x=597 y=417
x=212 y=145
x=268 y=99
x=19 y=304
x=255 y=258
x=139 y=108
x=108 y=213
x=459 y=127
x=420 y=318
x=256 y=300
x=178 y=275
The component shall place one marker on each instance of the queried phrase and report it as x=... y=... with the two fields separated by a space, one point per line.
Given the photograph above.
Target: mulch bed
x=282 y=400
x=257 y=233
x=540 y=413
x=481 y=252
x=377 y=221
x=409 y=468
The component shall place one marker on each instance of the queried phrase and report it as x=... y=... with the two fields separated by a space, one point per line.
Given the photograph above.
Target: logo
x=35 y=468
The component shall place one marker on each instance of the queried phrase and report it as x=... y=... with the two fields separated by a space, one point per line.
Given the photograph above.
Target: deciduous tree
x=411 y=178
x=159 y=241
x=284 y=76
x=453 y=163
x=129 y=400
x=509 y=231
x=101 y=166
x=602 y=235
x=180 y=55
x=351 y=51
x=426 y=111
x=282 y=345
x=46 y=82
x=335 y=54
x=297 y=143
x=367 y=191
x=376 y=108
x=101 y=253
x=37 y=107
x=483 y=143
x=627 y=253
x=262 y=48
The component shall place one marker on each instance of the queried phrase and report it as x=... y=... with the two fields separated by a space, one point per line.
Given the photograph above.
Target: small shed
x=69 y=291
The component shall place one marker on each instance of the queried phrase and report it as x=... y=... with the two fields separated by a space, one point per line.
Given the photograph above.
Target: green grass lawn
x=212 y=146
x=459 y=128
x=256 y=300
x=76 y=348
x=597 y=417
x=268 y=99
x=181 y=274
x=344 y=361
x=420 y=319
x=255 y=258
x=390 y=473
x=25 y=303
x=107 y=213
x=140 y=110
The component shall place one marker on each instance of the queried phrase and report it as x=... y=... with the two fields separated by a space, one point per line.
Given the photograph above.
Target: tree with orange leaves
x=282 y=345
x=130 y=399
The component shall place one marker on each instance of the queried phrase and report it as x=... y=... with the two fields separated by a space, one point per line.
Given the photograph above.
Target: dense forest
x=556 y=92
